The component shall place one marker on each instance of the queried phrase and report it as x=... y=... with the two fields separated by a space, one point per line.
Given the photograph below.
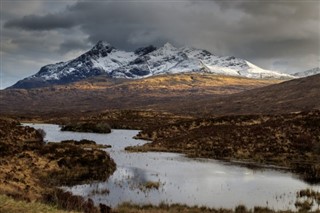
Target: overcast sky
x=273 y=34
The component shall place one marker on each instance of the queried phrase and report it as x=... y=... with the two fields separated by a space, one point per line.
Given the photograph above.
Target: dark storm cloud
x=72 y=44
x=281 y=8
x=286 y=47
x=116 y=22
x=278 y=21
x=266 y=32
x=122 y=23
x=128 y=24
x=47 y=22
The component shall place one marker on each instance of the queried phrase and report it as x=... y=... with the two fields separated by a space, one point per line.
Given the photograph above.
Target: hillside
x=163 y=92
x=289 y=96
x=179 y=93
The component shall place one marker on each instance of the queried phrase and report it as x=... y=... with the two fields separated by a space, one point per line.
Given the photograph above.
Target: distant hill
x=162 y=92
x=290 y=96
x=148 y=61
x=179 y=93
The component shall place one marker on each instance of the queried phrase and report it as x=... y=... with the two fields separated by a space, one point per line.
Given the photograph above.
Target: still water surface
x=199 y=182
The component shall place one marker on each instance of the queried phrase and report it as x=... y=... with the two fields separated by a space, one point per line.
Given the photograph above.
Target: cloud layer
x=273 y=34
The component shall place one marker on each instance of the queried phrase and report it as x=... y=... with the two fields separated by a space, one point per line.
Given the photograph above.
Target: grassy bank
x=164 y=208
x=10 y=205
x=31 y=170
x=289 y=140
x=116 y=119
x=95 y=127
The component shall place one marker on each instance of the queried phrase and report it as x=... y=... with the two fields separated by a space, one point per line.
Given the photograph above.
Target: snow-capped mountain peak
x=144 y=50
x=168 y=46
x=103 y=58
x=166 y=49
x=101 y=45
x=101 y=49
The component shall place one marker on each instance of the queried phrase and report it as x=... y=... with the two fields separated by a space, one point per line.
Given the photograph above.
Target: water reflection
x=182 y=180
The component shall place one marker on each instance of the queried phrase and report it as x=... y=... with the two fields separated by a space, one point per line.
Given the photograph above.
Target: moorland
x=248 y=121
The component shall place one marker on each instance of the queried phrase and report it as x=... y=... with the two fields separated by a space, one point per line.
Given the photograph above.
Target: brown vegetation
x=162 y=92
x=289 y=140
x=96 y=127
x=307 y=199
x=149 y=185
x=289 y=96
x=178 y=113
x=10 y=205
x=165 y=208
x=117 y=119
x=31 y=169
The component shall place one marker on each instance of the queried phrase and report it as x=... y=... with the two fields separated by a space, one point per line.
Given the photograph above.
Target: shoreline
x=33 y=170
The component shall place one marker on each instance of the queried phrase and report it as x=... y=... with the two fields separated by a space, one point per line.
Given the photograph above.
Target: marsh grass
x=31 y=170
x=96 y=127
x=173 y=208
x=10 y=205
x=288 y=140
x=150 y=185
x=307 y=199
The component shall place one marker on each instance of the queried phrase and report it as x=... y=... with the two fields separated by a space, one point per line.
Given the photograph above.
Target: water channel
x=182 y=180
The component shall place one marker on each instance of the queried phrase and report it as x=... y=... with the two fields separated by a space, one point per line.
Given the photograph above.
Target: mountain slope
x=179 y=93
x=290 y=96
x=161 y=92
x=169 y=59
x=144 y=62
x=92 y=63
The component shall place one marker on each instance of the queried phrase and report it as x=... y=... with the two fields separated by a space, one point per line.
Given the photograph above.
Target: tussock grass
x=286 y=140
x=9 y=205
x=31 y=170
x=149 y=185
x=173 y=208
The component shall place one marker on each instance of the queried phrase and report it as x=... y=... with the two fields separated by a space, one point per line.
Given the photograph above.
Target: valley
x=155 y=177
x=201 y=115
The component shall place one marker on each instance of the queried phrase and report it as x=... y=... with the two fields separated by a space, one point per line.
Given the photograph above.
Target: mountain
x=96 y=61
x=103 y=58
x=171 y=60
x=310 y=72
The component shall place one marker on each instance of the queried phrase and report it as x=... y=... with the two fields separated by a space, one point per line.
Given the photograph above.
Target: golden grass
x=164 y=208
x=206 y=81
x=176 y=82
x=9 y=205
x=163 y=92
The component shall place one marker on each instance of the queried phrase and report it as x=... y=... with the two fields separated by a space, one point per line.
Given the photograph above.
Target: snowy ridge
x=103 y=58
x=169 y=60
x=307 y=73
